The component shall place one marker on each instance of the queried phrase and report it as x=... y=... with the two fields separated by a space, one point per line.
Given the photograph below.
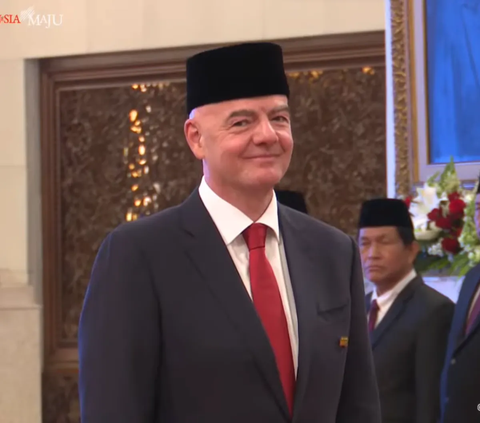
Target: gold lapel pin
x=343 y=342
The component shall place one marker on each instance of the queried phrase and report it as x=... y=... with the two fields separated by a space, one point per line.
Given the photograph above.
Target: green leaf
x=459 y=263
x=431 y=181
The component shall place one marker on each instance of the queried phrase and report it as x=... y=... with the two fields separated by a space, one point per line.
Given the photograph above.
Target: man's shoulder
x=431 y=298
x=432 y=308
x=316 y=228
x=474 y=272
x=164 y=221
x=472 y=277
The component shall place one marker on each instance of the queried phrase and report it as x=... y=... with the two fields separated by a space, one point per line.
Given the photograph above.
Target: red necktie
x=473 y=316
x=268 y=303
x=372 y=318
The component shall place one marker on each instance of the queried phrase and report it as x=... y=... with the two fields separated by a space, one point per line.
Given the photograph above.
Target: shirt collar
x=230 y=221
x=390 y=295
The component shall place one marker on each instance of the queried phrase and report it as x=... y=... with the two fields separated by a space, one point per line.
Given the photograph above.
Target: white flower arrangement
x=442 y=214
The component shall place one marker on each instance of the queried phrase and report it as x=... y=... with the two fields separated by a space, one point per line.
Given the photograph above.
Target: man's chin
x=266 y=177
x=374 y=277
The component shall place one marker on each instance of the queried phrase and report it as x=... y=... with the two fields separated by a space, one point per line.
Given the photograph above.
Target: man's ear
x=194 y=138
x=415 y=249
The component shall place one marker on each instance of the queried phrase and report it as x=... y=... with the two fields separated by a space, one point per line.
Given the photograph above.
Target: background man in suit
x=292 y=199
x=460 y=391
x=408 y=320
x=229 y=308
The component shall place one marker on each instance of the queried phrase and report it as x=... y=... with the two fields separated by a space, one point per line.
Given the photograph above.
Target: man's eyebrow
x=250 y=113
x=241 y=113
x=279 y=109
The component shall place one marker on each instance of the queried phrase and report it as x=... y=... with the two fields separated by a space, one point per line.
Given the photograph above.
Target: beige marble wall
x=20 y=353
x=93 y=26
x=20 y=252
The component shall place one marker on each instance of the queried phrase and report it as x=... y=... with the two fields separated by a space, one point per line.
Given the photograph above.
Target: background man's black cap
x=385 y=212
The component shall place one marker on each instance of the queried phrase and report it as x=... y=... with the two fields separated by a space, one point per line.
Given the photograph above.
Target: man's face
x=385 y=258
x=477 y=214
x=245 y=144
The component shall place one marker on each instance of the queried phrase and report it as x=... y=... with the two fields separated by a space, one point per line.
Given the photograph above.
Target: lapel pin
x=343 y=342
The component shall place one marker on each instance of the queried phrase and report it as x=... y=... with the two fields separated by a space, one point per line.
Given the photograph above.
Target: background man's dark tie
x=372 y=317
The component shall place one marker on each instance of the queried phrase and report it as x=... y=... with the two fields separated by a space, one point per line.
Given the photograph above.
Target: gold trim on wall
x=411 y=78
x=401 y=97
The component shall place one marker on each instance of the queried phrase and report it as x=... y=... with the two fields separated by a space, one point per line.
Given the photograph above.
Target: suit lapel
x=474 y=329
x=471 y=283
x=211 y=258
x=394 y=312
x=305 y=275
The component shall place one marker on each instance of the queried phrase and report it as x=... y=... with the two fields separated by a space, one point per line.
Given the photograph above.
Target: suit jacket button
x=453 y=361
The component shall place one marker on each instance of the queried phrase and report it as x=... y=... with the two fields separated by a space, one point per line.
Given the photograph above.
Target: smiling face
x=385 y=257
x=244 y=144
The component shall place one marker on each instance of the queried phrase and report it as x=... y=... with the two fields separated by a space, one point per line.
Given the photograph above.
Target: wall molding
x=329 y=51
x=18 y=297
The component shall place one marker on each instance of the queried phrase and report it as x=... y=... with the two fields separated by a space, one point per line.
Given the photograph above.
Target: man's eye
x=240 y=123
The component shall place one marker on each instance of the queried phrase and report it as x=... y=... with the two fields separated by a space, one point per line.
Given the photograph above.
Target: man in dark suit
x=460 y=388
x=229 y=308
x=292 y=199
x=408 y=320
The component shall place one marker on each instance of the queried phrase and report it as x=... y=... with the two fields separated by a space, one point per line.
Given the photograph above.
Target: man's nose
x=265 y=133
x=374 y=251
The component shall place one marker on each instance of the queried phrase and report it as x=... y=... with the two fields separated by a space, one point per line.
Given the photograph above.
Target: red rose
x=456 y=232
x=453 y=196
x=451 y=245
x=456 y=206
x=443 y=223
x=456 y=218
x=434 y=215
x=408 y=201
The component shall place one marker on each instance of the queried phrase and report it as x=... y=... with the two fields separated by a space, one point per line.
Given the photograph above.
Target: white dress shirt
x=386 y=300
x=231 y=222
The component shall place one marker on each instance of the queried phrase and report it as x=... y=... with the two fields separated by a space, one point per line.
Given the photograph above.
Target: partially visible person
x=460 y=388
x=292 y=199
x=408 y=320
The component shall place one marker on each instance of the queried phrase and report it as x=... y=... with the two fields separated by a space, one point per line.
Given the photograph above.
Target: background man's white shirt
x=386 y=300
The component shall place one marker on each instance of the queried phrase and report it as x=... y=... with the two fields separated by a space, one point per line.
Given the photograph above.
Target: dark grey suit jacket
x=168 y=333
x=460 y=391
x=409 y=347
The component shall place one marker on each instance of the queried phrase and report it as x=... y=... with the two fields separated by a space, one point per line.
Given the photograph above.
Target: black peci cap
x=234 y=72
x=385 y=212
